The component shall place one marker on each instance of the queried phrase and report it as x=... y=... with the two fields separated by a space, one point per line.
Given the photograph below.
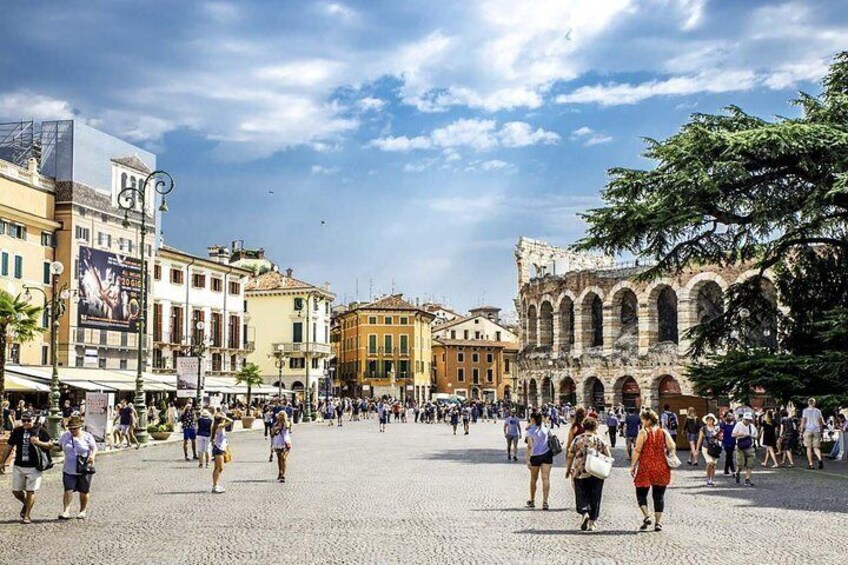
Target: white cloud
x=371 y=104
x=479 y=135
x=322 y=170
x=24 y=105
x=339 y=9
x=588 y=137
x=221 y=12
x=495 y=165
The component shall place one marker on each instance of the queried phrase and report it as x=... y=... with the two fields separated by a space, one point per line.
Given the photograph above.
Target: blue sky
x=426 y=135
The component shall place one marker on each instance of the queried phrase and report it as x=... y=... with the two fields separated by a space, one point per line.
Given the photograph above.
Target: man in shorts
x=204 y=431
x=189 y=424
x=812 y=424
x=26 y=478
x=126 y=423
x=512 y=431
x=744 y=432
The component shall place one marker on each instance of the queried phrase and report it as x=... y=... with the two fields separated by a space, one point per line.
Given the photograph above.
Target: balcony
x=312 y=349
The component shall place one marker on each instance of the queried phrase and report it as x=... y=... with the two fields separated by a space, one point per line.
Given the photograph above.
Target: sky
x=402 y=145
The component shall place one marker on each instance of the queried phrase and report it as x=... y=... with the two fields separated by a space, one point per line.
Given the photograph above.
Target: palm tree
x=19 y=319
x=249 y=375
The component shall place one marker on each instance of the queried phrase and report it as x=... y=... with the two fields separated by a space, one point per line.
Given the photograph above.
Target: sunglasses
x=26 y=421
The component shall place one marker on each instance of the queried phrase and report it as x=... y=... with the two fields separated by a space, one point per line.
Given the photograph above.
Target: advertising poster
x=187 y=372
x=98 y=414
x=109 y=291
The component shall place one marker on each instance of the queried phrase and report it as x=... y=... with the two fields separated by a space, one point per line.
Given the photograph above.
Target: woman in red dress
x=649 y=468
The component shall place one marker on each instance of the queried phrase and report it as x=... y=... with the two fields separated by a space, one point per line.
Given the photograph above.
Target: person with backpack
x=588 y=488
x=728 y=442
x=612 y=427
x=539 y=458
x=745 y=432
x=669 y=422
x=709 y=443
x=512 y=431
x=788 y=437
x=27 y=439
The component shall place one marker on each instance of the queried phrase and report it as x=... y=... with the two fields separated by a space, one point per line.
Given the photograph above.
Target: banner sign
x=98 y=414
x=188 y=369
x=109 y=291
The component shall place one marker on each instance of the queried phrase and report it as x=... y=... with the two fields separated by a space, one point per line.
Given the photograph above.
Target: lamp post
x=198 y=348
x=307 y=417
x=134 y=198
x=56 y=306
x=279 y=363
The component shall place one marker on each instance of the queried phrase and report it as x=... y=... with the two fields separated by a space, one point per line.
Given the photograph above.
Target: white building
x=188 y=290
x=482 y=324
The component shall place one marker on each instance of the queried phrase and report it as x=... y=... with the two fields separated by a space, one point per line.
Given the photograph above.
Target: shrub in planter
x=160 y=431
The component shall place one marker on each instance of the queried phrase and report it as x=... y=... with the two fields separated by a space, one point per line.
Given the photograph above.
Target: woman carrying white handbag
x=589 y=462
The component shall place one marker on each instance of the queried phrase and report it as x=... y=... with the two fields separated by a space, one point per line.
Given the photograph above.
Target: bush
x=156 y=428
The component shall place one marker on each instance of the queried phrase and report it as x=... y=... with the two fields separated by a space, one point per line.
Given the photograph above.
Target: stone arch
x=547 y=390
x=593 y=393
x=533 y=393
x=662 y=313
x=591 y=317
x=566 y=322
x=567 y=391
x=475 y=393
x=625 y=317
x=626 y=391
x=708 y=301
x=531 y=325
x=663 y=387
x=546 y=324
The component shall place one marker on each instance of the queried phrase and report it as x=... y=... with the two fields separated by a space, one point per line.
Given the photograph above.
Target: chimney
x=289 y=272
x=219 y=253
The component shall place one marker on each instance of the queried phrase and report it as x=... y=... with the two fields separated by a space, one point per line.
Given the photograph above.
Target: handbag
x=84 y=466
x=597 y=463
x=554 y=445
x=672 y=460
x=714 y=450
x=43 y=459
x=228 y=455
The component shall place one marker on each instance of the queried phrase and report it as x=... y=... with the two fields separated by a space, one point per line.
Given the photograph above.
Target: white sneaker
x=218 y=489
x=81 y=515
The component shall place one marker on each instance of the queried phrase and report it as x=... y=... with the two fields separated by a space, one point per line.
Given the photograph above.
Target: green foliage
x=19 y=319
x=250 y=376
x=155 y=428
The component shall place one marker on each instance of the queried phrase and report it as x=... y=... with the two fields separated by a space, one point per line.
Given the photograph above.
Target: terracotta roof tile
x=133 y=162
x=275 y=280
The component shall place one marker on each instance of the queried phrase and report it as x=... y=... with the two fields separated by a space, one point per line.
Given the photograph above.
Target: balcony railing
x=389 y=351
x=386 y=376
x=296 y=349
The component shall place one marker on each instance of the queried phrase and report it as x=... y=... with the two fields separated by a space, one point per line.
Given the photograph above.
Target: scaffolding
x=20 y=142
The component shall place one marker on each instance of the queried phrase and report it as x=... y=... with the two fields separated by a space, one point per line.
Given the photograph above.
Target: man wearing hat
x=744 y=432
x=26 y=477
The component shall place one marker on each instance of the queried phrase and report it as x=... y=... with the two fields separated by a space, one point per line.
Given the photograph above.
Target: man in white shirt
x=812 y=424
x=744 y=432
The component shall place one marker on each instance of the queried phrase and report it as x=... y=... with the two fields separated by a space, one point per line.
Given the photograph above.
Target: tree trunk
x=249 y=413
x=2 y=362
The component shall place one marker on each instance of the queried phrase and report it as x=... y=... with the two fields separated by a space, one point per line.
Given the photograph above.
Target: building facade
x=27 y=237
x=600 y=336
x=199 y=303
x=384 y=348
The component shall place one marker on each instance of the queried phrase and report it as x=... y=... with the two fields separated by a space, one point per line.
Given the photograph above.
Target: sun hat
x=747 y=416
x=708 y=416
x=205 y=413
x=74 y=422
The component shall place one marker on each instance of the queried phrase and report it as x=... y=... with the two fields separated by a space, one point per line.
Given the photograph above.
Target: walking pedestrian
x=692 y=427
x=127 y=418
x=466 y=417
x=80 y=450
x=267 y=419
x=587 y=487
x=709 y=443
x=649 y=468
x=728 y=442
x=220 y=449
x=512 y=431
x=631 y=430
x=281 y=443
x=454 y=419
x=812 y=423
x=745 y=432
x=576 y=427
x=669 y=422
x=27 y=439
x=612 y=427
x=768 y=430
x=188 y=422
x=539 y=458
x=788 y=438
x=204 y=434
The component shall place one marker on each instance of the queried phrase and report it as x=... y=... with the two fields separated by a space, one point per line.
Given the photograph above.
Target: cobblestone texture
x=415 y=494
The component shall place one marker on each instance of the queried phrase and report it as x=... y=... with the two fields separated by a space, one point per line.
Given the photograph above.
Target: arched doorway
x=626 y=319
x=667 y=388
x=533 y=399
x=298 y=388
x=567 y=391
x=566 y=320
x=593 y=393
x=547 y=390
x=475 y=393
x=546 y=324
x=628 y=393
x=667 y=315
x=531 y=326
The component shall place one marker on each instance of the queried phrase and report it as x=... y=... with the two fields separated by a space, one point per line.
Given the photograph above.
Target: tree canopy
x=18 y=320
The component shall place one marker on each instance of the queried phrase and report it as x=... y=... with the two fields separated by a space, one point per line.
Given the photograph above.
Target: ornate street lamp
x=134 y=199
x=198 y=348
x=55 y=305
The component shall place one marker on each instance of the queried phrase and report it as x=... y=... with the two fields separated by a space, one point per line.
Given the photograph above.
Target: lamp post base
x=54 y=426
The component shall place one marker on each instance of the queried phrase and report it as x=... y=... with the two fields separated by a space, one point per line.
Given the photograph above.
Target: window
x=101 y=362
x=79 y=361
x=489 y=358
x=475 y=376
x=104 y=239
x=372 y=320
x=298 y=303
x=46 y=272
x=453 y=334
x=372 y=344
x=388 y=368
x=45 y=319
x=460 y=375
x=403 y=368
x=497 y=336
x=476 y=335
x=506 y=365
x=387 y=343
x=465 y=334
x=17 y=231
x=81 y=233
x=460 y=357
x=122 y=364
x=404 y=321
x=234 y=329
x=103 y=337
x=157 y=322
x=46 y=239
x=235 y=288
x=217 y=284
x=4 y=264
x=176 y=276
x=3 y=226
x=104 y=218
x=19 y=267
x=157 y=272
x=198 y=281
x=404 y=344
x=297 y=363
x=475 y=357
x=314 y=362
x=297 y=332
x=315 y=305
x=490 y=376
x=45 y=351
x=372 y=368
x=388 y=320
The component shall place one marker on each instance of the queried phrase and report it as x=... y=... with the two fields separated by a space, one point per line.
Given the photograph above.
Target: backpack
x=672 y=421
x=554 y=445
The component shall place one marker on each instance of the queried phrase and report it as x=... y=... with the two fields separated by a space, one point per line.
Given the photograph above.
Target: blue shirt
x=728 y=439
x=631 y=422
x=513 y=426
x=204 y=427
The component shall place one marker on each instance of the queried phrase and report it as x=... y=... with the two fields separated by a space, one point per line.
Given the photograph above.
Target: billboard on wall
x=109 y=291
x=189 y=370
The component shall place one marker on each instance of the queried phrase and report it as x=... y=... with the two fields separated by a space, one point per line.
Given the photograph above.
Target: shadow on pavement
x=577 y=532
x=522 y=509
x=476 y=456
x=204 y=491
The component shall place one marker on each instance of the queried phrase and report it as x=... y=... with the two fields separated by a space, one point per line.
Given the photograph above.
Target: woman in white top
x=539 y=459
x=219 y=448
x=80 y=450
x=281 y=443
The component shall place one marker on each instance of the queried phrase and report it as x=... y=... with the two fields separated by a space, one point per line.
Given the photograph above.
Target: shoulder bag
x=671 y=458
x=597 y=463
x=554 y=444
x=43 y=459
x=84 y=466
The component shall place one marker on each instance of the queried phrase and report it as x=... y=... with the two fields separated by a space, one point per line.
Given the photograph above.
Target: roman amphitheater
x=591 y=333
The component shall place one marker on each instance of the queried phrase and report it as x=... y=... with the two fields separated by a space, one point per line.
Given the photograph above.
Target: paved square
x=416 y=494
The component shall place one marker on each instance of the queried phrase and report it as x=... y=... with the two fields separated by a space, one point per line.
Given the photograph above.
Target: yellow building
x=384 y=348
x=27 y=238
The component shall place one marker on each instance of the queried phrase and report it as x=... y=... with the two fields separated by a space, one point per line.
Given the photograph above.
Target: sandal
x=658 y=528
x=531 y=504
x=645 y=524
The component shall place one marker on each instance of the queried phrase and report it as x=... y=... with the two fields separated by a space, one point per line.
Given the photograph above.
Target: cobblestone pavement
x=414 y=494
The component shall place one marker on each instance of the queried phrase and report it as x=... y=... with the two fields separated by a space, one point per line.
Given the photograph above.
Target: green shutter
x=19 y=267
x=46 y=273
x=5 y=265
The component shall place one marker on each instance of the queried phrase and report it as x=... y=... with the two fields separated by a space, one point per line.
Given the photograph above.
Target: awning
x=15 y=383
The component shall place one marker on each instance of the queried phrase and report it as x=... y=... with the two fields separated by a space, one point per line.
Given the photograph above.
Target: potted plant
x=249 y=376
x=160 y=432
